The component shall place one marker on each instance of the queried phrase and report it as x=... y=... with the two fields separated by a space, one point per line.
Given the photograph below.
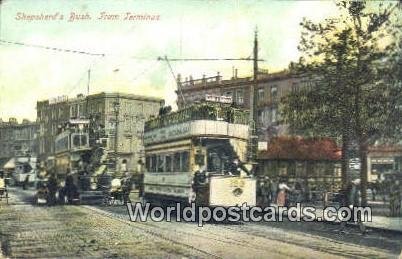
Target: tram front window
x=168 y=163
x=218 y=162
x=161 y=164
x=176 y=162
x=79 y=140
x=153 y=163
x=185 y=161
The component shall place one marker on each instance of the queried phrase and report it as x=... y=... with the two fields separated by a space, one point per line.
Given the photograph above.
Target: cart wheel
x=105 y=200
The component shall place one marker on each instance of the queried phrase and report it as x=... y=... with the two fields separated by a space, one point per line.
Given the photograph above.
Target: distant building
x=383 y=160
x=17 y=139
x=130 y=111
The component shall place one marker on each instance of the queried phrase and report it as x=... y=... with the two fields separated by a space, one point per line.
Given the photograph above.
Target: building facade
x=271 y=88
x=18 y=139
x=122 y=116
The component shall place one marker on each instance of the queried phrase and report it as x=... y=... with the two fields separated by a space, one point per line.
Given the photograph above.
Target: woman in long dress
x=282 y=195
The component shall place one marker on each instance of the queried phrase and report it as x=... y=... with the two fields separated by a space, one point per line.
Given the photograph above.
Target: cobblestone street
x=106 y=232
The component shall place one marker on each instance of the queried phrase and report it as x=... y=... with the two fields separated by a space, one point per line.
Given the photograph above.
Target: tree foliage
x=354 y=64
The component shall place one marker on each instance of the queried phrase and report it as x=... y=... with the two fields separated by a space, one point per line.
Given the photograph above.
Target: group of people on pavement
x=271 y=191
x=395 y=200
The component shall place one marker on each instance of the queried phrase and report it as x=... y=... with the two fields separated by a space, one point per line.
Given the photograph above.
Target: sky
x=185 y=29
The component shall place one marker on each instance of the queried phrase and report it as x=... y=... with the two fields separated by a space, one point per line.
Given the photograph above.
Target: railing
x=200 y=112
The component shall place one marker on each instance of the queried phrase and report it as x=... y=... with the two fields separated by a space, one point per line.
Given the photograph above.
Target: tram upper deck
x=199 y=120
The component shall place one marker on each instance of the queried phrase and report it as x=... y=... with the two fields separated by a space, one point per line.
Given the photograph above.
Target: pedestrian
x=282 y=198
x=51 y=189
x=26 y=182
x=274 y=190
x=2 y=181
x=266 y=192
x=353 y=200
x=260 y=184
x=71 y=189
x=395 y=200
x=299 y=192
x=126 y=188
x=374 y=191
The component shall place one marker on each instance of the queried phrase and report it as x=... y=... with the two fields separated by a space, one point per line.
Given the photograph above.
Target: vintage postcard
x=200 y=129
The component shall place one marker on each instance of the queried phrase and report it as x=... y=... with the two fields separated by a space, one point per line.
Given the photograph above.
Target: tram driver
x=238 y=168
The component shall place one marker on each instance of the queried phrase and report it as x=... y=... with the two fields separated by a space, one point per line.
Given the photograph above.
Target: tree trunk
x=363 y=171
x=345 y=160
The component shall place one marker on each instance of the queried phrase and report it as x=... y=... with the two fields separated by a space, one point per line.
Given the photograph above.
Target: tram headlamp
x=237 y=192
x=93 y=186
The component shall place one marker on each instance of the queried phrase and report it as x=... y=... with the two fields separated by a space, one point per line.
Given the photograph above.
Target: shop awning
x=3 y=161
x=10 y=164
x=301 y=149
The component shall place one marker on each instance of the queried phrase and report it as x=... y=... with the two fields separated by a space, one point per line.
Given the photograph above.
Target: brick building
x=271 y=88
x=130 y=111
x=17 y=139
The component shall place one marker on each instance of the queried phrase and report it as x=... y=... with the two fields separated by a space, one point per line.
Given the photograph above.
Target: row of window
x=268 y=116
x=262 y=94
x=77 y=141
x=168 y=162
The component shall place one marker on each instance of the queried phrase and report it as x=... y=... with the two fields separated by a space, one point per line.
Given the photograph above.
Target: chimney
x=218 y=77
x=203 y=79
x=235 y=75
x=233 y=72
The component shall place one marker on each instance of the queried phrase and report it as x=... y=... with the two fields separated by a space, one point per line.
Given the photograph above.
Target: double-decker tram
x=197 y=155
x=72 y=148
x=73 y=158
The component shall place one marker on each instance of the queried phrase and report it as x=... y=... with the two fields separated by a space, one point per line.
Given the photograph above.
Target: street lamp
x=116 y=108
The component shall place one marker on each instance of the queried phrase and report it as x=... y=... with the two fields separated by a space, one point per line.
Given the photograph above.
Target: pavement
x=383 y=223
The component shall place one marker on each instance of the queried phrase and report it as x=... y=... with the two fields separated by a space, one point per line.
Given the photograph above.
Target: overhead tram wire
x=178 y=83
x=102 y=55
x=210 y=59
x=51 y=48
x=165 y=58
x=23 y=44
x=144 y=71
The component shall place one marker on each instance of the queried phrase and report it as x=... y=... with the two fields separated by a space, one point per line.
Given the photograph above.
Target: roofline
x=126 y=96
x=107 y=95
x=241 y=81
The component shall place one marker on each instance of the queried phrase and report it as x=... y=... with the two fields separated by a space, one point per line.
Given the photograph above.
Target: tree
x=356 y=95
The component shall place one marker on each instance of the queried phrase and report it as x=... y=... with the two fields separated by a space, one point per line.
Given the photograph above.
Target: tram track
x=148 y=231
x=249 y=232
x=331 y=246
x=107 y=230
x=213 y=232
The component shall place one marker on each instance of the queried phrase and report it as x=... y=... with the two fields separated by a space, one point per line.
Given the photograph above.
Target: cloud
x=201 y=29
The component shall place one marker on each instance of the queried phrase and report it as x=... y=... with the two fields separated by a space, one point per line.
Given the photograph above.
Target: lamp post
x=116 y=108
